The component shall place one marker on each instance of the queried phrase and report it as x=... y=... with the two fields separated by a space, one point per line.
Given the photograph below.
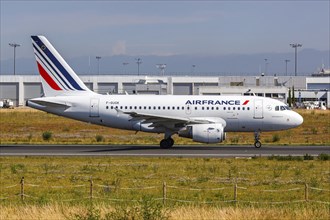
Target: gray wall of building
x=19 y=88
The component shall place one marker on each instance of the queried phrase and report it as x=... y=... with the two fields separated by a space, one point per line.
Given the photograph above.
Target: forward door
x=258 y=109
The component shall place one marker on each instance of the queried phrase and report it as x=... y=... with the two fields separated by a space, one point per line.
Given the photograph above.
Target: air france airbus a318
x=204 y=119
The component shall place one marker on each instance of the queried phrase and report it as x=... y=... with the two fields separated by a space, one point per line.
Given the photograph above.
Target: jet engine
x=204 y=133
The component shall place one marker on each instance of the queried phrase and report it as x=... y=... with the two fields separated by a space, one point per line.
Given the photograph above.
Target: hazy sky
x=80 y=28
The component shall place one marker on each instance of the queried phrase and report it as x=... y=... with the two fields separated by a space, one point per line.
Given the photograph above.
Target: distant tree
x=293 y=97
x=290 y=98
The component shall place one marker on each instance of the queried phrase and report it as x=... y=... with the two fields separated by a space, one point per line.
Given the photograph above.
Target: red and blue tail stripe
x=48 y=79
x=52 y=68
x=51 y=73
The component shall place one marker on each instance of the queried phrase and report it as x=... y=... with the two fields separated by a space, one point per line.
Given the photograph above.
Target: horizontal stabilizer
x=43 y=103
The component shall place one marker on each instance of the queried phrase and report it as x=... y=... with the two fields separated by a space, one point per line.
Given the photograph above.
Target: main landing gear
x=167 y=142
x=257 y=142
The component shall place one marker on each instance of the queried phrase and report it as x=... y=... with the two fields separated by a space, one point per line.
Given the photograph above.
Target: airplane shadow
x=157 y=149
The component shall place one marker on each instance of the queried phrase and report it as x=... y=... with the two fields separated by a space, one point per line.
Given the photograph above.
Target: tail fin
x=57 y=76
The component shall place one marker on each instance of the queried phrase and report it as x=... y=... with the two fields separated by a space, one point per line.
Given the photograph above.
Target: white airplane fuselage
x=258 y=114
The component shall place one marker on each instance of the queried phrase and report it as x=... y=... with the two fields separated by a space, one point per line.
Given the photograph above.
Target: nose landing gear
x=257 y=142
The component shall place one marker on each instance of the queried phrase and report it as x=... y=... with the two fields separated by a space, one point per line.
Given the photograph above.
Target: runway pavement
x=154 y=150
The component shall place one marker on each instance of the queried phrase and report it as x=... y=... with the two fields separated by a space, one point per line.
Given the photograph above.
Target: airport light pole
x=266 y=66
x=286 y=67
x=138 y=62
x=98 y=64
x=14 y=45
x=125 y=64
x=162 y=68
x=295 y=46
x=193 y=68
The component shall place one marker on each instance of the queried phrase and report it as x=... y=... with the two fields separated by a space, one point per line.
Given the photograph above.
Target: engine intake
x=204 y=133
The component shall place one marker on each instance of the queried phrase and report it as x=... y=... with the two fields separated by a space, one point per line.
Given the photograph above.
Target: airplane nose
x=298 y=119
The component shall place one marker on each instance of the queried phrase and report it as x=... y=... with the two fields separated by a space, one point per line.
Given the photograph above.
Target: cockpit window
x=282 y=108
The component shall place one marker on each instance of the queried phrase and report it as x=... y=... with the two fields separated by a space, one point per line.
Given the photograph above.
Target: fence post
x=235 y=193
x=306 y=192
x=22 y=188
x=91 y=189
x=164 y=193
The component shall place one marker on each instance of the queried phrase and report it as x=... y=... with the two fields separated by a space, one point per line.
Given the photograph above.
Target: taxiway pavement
x=156 y=151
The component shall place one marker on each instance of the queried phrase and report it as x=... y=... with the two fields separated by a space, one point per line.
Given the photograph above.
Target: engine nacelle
x=204 y=133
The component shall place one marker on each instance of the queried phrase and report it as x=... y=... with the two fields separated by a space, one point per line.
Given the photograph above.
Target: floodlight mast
x=162 y=68
x=14 y=45
x=286 y=67
x=124 y=65
x=138 y=61
x=266 y=65
x=98 y=64
x=295 y=46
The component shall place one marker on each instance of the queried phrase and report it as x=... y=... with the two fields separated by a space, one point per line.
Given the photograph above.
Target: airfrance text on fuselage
x=215 y=102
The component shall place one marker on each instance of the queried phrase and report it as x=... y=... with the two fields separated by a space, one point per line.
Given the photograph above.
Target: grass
x=60 y=187
x=59 y=211
x=27 y=126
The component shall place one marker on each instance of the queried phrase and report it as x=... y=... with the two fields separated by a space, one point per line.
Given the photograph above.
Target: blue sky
x=105 y=28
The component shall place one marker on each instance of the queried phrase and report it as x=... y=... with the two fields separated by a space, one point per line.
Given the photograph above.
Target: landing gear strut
x=257 y=143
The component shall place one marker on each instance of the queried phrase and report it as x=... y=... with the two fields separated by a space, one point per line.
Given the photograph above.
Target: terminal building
x=20 y=88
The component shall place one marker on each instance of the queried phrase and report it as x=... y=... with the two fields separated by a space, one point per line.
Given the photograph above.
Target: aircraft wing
x=171 y=121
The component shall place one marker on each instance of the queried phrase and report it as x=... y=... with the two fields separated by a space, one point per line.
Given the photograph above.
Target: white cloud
x=119 y=48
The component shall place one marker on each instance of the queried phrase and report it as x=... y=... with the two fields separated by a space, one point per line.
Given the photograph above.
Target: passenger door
x=94 y=107
x=258 y=109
